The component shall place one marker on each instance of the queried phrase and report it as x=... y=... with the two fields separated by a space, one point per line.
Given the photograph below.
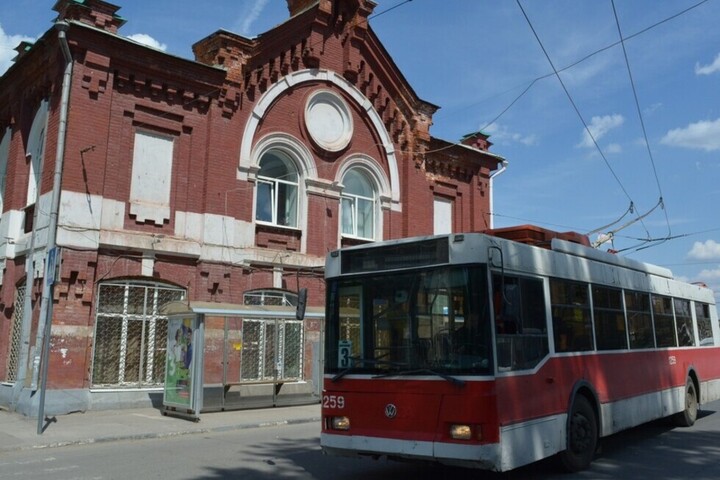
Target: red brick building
x=223 y=179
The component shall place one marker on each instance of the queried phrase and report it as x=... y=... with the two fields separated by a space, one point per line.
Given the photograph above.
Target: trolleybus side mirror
x=495 y=257
x=302 y=302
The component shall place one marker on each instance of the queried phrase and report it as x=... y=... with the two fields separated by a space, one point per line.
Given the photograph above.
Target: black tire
x=687 y=417
x=582 y=436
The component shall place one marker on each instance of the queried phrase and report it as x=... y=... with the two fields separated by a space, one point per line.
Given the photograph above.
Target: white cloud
x=502 y=135
x=254 y=14
x=710 y=274
x=703 y=135
x=708 y=69
x=7 y=48
x=709 y=250
x=147 y=40
x=599 y=126
x=614 y=148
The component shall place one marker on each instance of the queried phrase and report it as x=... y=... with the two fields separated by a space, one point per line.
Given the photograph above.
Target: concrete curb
x=146 y=436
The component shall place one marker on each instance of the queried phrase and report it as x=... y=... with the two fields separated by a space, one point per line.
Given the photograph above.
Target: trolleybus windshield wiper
x=362 y=361
x=449 y=378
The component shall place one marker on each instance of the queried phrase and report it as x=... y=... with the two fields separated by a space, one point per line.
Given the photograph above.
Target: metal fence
x=131 y=335
x=13 y=361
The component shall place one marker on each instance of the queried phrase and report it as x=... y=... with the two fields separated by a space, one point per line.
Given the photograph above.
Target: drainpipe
x=504 y=164
x=46 y=306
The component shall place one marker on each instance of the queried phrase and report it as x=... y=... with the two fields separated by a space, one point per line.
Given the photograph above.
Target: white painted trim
x=528 y=442
x=248 y=161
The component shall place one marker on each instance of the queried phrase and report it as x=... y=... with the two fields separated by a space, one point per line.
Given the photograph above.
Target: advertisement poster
x=179 y=366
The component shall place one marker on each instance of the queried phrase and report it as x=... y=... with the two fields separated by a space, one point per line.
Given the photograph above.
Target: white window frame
x=275 y=189
x=297 y=153
x=355 y=200
x=373 y=171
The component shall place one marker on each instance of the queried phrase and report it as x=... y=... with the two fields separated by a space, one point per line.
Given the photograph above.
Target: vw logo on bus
x=390 y=410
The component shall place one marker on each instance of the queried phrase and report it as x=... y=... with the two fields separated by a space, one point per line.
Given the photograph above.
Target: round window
x=328 y=121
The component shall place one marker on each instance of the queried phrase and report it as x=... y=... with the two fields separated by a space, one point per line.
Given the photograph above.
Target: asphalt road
x=657 y=451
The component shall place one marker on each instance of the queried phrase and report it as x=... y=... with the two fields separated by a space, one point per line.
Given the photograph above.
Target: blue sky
x=475 y=58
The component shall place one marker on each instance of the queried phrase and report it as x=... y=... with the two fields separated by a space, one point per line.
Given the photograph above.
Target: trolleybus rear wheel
x=687 y=417
x=582 y=436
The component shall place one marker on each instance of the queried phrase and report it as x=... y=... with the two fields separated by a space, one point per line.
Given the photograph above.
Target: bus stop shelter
x=227 y=356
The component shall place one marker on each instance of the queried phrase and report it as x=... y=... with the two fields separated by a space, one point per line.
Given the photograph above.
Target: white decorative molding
x=328 y=120
x=371 y=167
x=247 y=161
x=323 y=188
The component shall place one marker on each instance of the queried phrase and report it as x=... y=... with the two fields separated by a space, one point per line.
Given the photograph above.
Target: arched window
x=359 y=200
x=270 y=296
x=277 y=190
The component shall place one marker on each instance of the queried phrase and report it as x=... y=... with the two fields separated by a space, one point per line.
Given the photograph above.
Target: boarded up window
x=4 y=154
x=442 y=217
x=35 y=149
x=151 y=178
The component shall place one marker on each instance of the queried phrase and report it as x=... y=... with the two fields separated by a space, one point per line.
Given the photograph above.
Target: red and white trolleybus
x=485 y=351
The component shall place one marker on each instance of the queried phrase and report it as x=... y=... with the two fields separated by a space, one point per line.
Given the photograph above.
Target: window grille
x=16 y=329
x=131 y=335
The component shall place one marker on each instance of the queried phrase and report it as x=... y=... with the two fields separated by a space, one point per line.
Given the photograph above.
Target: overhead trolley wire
x=572 y=102
x=587 y=129
x=640 y=116
x=577 y=62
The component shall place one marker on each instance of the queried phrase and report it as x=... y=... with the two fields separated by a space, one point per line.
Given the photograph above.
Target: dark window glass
x=639 y=320
x=571 y=316
x=683 y=320
x=702 y=313
x=520 y=322
x=609 y=319
x=664 y=322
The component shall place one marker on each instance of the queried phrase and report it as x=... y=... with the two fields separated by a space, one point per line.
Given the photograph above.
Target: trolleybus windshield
x=430 y=322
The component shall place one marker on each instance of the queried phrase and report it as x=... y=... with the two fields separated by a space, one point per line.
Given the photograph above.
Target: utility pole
x=46 y=305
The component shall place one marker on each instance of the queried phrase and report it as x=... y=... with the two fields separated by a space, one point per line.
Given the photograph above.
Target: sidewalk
x=18 y=432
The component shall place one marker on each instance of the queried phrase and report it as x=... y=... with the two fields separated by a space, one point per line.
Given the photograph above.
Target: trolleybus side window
x=664 y=322
x=609 y=318
x=684 y=323
x=702 y=314
x=520 y=322
x=639 y=320
x=572 y=326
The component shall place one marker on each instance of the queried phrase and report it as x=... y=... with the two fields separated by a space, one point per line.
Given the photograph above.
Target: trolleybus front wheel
x=582 y=436
x=687 y=417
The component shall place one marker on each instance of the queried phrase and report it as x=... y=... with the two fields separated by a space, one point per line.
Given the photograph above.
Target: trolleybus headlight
x=340 y=423
x=461 y=432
